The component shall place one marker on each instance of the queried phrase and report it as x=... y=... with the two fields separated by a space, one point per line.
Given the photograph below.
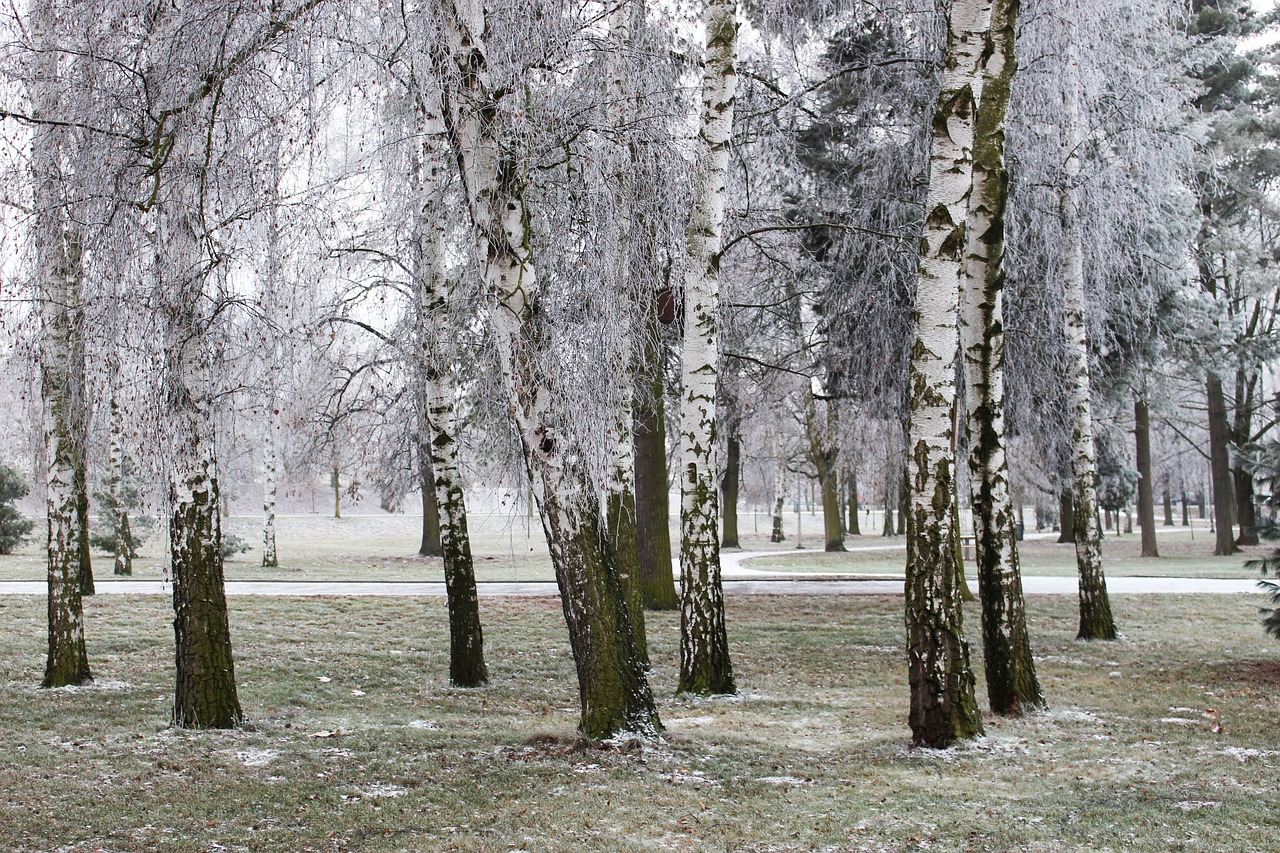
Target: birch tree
x=943 y=708
x=705 y=666
x=614 y=690
x=1012 y=685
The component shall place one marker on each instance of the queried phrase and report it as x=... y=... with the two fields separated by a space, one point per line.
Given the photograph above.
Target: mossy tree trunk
x=613 y=687
x=59 y=279
x=1012 y=684
x=943 y=708
x=705 y=666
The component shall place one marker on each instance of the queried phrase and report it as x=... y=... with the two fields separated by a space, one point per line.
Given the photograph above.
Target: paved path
x=843 y=585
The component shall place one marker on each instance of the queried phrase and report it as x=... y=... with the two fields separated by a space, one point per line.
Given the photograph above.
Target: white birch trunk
x=58 y=271
x=270 y=483
x=1012 y=686
x=943 y=708
x=123 y=538
x=613 y=686
x=1096 y=622
x=271 y=425
x=705 y=666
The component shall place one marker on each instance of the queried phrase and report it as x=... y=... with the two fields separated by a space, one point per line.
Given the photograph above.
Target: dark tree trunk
x=1220 y=466
x=1186 y=509
x=82 y=520
x=653 y=509
x=206 y=682
x=904 y=502
x=729 y=493
x=1168 y=503
x=622 y=549
x=1245 y=511
x=1066 y=516
x=855 y=529
x=431 y=545
x=335 y=482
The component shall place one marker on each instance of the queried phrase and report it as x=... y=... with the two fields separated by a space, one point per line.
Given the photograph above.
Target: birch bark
x=943 y=708
x=1012 y=685
x=58 y=271
x=429 y=180
x=613 y=687
x=1096 y=622
x=705 y=667
x=123 y=539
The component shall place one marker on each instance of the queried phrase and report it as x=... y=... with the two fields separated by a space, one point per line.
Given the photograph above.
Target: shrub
x=14 y=527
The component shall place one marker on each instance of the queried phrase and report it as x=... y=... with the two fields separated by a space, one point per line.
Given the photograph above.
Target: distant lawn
x=357 y=743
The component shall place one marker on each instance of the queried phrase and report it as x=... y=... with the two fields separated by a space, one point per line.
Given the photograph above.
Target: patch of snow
x=432 y=725
x=1190 y=805
x=1242 y=754
x=784 y=780
x=379 y=789
x=1179 y=721
x=692 y=721
x=256 y=757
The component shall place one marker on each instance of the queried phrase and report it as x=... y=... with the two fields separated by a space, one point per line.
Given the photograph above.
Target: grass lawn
x=356 y=742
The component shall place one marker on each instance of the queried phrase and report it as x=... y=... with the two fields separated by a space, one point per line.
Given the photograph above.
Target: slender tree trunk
x=122 y=537
x=729 y=492
x=1241 y=434
x=705 y=667
x=943 y=707
x=822 y=434
x=653 y=507
x=1168 y=502
x=443 y=496
x=58 y=268
x=904 y=502
x=82 y=509
x=779 y=501
x=613 y=688
x=270 y=466
x=1186 y=508
x=890 y=475
x=1012 y=685
x=855 y=528
x=431 y=544
x=1146 y=492
x=1220 y=467
x=335 y=483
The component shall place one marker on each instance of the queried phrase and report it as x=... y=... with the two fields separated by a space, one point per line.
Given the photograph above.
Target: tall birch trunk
x=943 y=707
x=779 y=500
x=58 y=271
x=705 y=667
x=205 y=695
x=429 y=178
x=271 y=420
x=1012 y=685
x=1096 y=622
x=270 y=483
x=1146 y=487
x=622 y=541
x=123 y=535
x=613 y=687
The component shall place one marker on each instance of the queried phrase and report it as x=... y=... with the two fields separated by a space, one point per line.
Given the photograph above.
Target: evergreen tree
x=14 y=528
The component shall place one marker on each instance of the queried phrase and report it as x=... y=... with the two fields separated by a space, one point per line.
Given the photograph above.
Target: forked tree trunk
x=822 y=433
x=59 y=275
x=1146 y=490
x=1012 y=685
x=1220 y=467
x=729 y=492
x=705 y=667
x=943 y=707
x=613 y=687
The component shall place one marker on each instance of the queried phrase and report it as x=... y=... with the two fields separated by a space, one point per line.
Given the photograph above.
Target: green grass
x=812 y=755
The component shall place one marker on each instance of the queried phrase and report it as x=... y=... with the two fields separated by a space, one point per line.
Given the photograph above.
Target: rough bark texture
x=123 y=539
x=705 y=667
x=82 y=508
x=270 y=467
x=729 y=492
x=1066 y=517
x=779 y=501
x=943 y=707
x=431 y=545
x=1012 y=685
x=613 y=687
x=59 y=275
x=1146 y=490
x=1168 y=502
x=1220 y=467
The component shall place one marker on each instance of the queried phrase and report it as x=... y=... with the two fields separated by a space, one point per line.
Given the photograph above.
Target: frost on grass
x=257 y=757
x=378 y=790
